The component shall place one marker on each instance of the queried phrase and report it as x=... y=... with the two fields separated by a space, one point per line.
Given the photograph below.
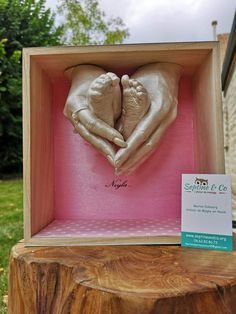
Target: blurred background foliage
x=28 y=23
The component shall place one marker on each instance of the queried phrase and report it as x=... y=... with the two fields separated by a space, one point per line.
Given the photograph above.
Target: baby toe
x=105 y=83
x=140 y=94
x=95 y=92
x=97 y=85
x=140 y=88
x=102 y=76
x=125 y=81
x=135 y=83
x=115 y=79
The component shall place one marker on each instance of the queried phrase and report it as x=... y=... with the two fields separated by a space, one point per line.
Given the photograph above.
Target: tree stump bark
x=129 y=280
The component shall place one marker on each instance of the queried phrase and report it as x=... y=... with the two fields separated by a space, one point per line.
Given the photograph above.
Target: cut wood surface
x=121 y=279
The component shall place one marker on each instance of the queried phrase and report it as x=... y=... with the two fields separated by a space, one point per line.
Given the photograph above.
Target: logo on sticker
x=201 y=185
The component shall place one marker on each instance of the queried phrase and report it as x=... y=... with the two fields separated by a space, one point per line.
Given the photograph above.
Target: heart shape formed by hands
x=134 y=119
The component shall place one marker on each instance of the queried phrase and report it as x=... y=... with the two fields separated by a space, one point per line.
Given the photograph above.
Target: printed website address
x=207 y=241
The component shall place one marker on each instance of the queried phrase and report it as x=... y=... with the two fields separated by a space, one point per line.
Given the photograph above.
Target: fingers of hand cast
x=100 y=128
x=100 y=144
x=147 y=147
x=141 y=133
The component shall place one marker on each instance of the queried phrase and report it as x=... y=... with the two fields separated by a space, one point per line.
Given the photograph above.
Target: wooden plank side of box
x=208 y=116
x=55 y=60
x=37 y=146
x=44 y=241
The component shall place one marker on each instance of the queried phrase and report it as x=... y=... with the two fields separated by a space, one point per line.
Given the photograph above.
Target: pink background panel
x=83 y=177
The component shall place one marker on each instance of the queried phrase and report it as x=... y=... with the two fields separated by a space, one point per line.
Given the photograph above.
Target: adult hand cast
x=85 y=121
x=161 y=82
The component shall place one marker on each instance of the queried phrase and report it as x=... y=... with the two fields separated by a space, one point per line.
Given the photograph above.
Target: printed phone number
x=203 y=239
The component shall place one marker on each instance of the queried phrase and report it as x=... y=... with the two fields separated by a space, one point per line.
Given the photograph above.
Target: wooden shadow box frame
x=42 y=67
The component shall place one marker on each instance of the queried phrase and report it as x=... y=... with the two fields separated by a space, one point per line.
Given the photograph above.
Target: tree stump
x=121 y=279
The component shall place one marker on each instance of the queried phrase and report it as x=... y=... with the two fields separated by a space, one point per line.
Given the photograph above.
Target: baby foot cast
x=135 y=105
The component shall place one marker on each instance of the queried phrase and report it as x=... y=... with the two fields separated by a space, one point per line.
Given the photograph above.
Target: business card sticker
x=206 y=212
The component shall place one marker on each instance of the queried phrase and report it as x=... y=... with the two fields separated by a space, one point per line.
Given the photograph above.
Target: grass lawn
x=11 y=228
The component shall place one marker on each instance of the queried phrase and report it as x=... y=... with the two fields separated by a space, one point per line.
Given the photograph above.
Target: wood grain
x=38 y=142
x=26 y=146
x=208 y=118
x=134 y=280
x=121 y=59
x=92 y=240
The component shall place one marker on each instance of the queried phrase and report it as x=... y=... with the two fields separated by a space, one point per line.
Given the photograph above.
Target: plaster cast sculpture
x=93 y=106
x=135 y=105
x=137 y=123
x=161 y=82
